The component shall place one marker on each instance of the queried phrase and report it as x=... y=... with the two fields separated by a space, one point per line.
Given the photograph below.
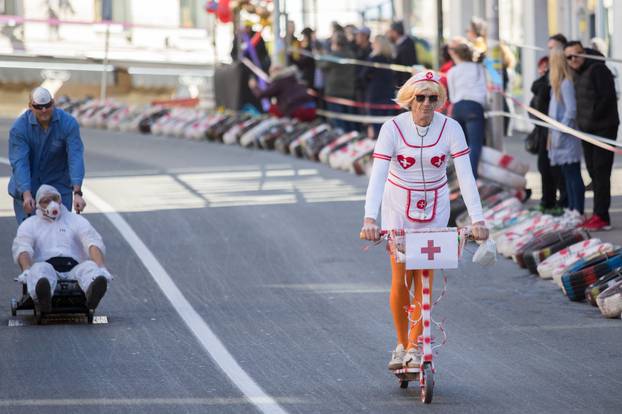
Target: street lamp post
x=278 y=52
x=494 y=54
x=104 y=82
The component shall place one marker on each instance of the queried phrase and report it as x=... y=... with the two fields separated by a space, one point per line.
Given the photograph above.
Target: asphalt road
x=264 y=248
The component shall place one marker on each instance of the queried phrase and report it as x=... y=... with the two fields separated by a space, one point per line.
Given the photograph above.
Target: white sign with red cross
x=432 y=249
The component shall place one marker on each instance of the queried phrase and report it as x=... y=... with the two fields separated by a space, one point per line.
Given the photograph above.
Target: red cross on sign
x=431 y=250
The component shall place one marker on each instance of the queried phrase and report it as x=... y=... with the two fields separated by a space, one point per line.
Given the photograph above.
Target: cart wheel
x=89 y=316
x=404 y=384
x=38 y=316
x=428 y=384
x=13 y=307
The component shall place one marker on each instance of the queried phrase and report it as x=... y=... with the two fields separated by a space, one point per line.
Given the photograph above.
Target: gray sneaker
x=412 y=359
x=397 y=358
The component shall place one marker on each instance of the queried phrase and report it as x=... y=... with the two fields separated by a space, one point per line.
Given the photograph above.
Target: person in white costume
x=409 y=180
x=56 y=232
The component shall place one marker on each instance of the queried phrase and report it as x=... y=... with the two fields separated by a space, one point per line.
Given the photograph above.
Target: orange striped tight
x=400 y=301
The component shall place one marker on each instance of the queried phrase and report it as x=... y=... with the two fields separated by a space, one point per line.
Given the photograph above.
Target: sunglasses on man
x=570 y=57
x=431 y=98
x=39 y=107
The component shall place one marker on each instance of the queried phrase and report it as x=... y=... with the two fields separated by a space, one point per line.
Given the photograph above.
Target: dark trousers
x=599 y=163
x=470 y=116
x=551 y=178
x=574 y=186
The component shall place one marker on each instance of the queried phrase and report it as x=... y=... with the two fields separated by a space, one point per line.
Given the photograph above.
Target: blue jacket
x=54 y=157
x=564 y=148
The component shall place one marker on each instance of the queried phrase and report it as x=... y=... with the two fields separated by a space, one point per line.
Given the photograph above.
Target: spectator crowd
x=572 y=87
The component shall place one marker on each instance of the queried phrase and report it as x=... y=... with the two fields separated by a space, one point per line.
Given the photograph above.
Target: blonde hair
x=558 y=71
x=406 y=94
x=386 y=49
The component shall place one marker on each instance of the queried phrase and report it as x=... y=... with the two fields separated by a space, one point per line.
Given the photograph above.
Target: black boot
x=96 y=291
x=44 y=295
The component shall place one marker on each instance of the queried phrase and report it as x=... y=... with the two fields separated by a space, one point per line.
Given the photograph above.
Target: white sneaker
x=397 y=358
x=412 y=358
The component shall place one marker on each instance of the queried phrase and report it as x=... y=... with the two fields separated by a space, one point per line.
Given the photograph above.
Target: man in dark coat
x=597 y=114
x=405 y=51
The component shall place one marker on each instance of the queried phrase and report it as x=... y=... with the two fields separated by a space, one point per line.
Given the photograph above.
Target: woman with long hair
x=564 y=149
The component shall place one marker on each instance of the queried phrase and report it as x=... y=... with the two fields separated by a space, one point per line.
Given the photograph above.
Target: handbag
x=531 y=142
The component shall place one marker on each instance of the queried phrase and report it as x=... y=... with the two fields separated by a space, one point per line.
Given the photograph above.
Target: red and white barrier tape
x=358 y=62
x=592 y=139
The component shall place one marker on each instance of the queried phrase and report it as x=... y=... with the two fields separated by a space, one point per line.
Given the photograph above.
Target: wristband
x=78 y=192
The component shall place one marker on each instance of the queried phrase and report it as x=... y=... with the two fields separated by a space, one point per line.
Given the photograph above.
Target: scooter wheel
x=427 y=388
x=13 y=307
x=404 y=384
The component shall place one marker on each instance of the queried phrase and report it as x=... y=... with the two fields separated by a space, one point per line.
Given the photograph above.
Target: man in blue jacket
x=45 y=148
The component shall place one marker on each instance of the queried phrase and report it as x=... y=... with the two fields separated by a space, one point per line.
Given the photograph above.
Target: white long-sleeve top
x=466 y=81
x=71 y=235
x=406 y=161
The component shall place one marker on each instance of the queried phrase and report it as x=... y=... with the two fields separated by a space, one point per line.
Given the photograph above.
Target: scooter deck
x=407 y=374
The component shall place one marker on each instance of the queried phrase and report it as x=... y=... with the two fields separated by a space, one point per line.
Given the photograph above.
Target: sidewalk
x=513 y=145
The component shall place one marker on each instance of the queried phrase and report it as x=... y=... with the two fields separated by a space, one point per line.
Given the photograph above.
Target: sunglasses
x=431 y=98
x=570 y=57
x=44 y=106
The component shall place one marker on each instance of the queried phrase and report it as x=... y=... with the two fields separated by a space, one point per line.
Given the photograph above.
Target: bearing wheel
x=89 y=316
x=404 y=384
x=38 y=316
x=13 y=307
x=428 y=384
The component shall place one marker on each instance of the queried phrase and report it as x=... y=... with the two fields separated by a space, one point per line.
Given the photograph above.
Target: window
x=114 y=10
x=8 y=7
x=188 y=12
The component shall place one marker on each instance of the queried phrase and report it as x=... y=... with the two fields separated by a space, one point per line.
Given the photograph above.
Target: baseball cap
x=365 y=30
x=41 y=96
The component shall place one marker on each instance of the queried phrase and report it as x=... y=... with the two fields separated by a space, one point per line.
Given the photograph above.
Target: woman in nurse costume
x=409 y=180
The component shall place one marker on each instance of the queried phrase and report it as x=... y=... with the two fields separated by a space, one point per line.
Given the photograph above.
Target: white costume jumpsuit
x=71 y=235
x=409 y=175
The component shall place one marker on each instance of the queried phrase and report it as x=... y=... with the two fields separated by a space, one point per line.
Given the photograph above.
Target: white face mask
x=52 y=211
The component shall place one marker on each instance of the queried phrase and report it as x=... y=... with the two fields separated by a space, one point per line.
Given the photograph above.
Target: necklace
x=425 y=133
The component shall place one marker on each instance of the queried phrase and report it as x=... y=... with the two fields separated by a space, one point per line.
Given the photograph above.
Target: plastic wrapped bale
x=575 y=282
x=610 y=301
x=311 y=148
x=548 y=265
x=524 y=256
x=340 y=142
x=534 y=257
x=249 y=138
x=579 y=261
x=501 y=175
x=604 y=282
x=499 y=159
x=295 y=146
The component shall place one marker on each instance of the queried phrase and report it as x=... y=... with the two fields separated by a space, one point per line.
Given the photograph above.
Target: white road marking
x=201 y=330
